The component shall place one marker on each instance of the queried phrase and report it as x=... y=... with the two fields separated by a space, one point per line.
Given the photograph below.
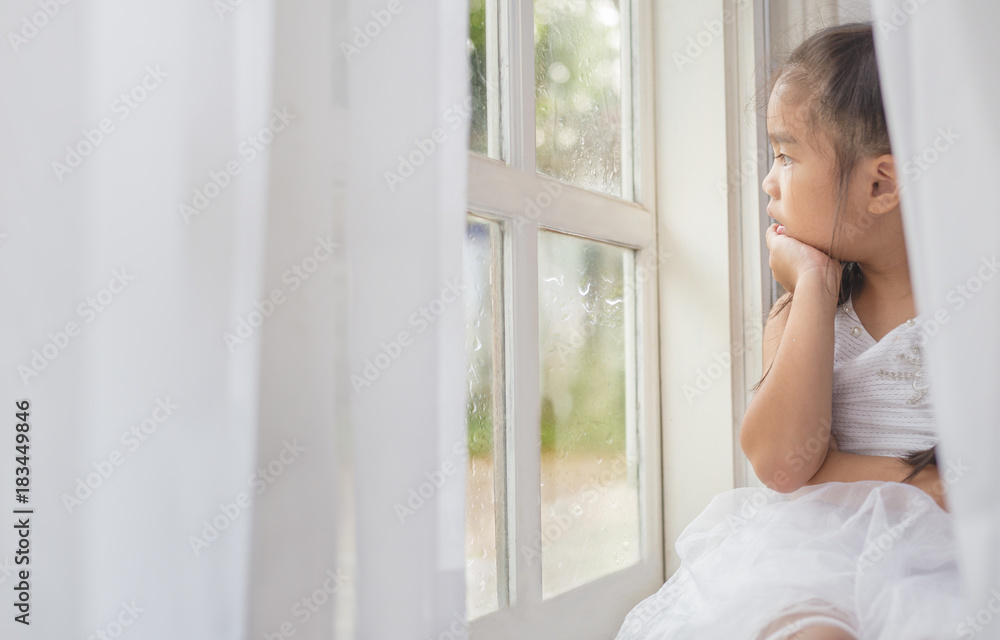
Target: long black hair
x=834 y=73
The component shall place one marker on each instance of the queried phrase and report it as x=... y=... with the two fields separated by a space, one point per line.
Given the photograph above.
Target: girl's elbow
x=782 y=482
x=779 y=470
x=778 y=477
x=766 y=464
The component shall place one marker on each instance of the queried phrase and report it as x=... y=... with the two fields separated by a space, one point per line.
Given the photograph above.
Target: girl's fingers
x=770 y=233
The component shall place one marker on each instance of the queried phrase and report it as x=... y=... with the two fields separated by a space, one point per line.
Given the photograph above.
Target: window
x=564 y=530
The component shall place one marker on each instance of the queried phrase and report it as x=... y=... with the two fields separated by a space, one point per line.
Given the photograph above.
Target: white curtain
x=198 y=248
x=407 y=165
x=938 y=63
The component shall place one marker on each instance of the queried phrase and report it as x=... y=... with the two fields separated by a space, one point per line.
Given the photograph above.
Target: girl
x=852 y=539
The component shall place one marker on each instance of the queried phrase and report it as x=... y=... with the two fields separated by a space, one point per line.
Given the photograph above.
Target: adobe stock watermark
x=32 y=25
x=950 y=474
x=7 y=569
x=127 y=614
x=876 y=549
x=749 y=508
x=808 y=453
x=721 y=363
x=559 y=524
x=131 y=439
x=87 y=311
x=930 y=324
x=420 y=320
x=295 y=276
x=533 y=207
x=646 y=268
x=736 y=175
x=247 y=150
x=420 y=495
x=916 y=166
x=458 y=627
x=258 y=482
x=899 y=15
x=652 y=607
x=914 y=169
x=223 y=8
x=696 y=45
x=363 y=35
x=123 y=106
x=982 y=619
x=307 y=606
x=423 y=148
x=958 y=297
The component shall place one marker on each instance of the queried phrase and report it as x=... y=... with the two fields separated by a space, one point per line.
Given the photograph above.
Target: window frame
x=498 y=191
x=723 y=260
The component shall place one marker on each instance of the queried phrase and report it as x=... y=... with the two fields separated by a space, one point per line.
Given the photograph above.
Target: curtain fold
x=133 y=227
x=938 y=63
x=409 y=102
x=200 y=251
x=298 y=584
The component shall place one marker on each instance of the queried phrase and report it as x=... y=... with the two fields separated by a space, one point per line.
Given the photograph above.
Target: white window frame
x=710 y=221
x=497 y=191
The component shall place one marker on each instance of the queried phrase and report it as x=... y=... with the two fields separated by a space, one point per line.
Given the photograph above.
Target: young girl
x=852 y=539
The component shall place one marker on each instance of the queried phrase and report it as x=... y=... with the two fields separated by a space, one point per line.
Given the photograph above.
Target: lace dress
x=876 y=559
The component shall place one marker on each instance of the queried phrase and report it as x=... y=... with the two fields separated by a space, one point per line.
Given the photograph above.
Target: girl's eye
x=783 y=159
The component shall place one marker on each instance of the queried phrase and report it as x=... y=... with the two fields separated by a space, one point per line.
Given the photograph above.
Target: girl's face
x=802 y=181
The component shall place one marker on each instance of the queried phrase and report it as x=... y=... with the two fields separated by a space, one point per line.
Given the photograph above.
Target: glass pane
x=480 y=313
x=578 y=109
x=590 y=493
x=484 y=76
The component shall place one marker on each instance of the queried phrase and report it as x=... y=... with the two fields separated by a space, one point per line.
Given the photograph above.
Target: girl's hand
x=929 y=481
x=790 y=259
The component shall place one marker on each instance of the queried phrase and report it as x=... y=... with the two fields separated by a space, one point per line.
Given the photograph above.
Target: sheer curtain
x=407 y=161
x=198 y=250
x=938 y=63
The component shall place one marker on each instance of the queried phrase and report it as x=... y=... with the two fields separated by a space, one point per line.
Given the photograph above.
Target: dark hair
x=834 y=75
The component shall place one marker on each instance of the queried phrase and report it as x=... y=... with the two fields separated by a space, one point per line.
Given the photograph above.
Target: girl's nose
x=770 y=184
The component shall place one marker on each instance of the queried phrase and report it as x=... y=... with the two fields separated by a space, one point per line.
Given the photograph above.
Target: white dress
x=876 y=559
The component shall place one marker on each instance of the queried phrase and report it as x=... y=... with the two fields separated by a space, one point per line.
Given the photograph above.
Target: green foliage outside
x=578 y=116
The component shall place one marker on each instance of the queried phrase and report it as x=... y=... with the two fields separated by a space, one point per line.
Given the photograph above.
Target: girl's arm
x=850 y=467
x=786 y=428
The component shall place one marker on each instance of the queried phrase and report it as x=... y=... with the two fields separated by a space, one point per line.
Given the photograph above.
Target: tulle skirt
x=876 y=559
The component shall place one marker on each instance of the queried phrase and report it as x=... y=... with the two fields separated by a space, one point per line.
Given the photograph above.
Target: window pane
x=481 y=308
x=590 y=496
x=578 y=110
x=484 y=75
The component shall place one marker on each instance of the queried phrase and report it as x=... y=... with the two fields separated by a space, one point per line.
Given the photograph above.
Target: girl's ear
x=883 y=187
